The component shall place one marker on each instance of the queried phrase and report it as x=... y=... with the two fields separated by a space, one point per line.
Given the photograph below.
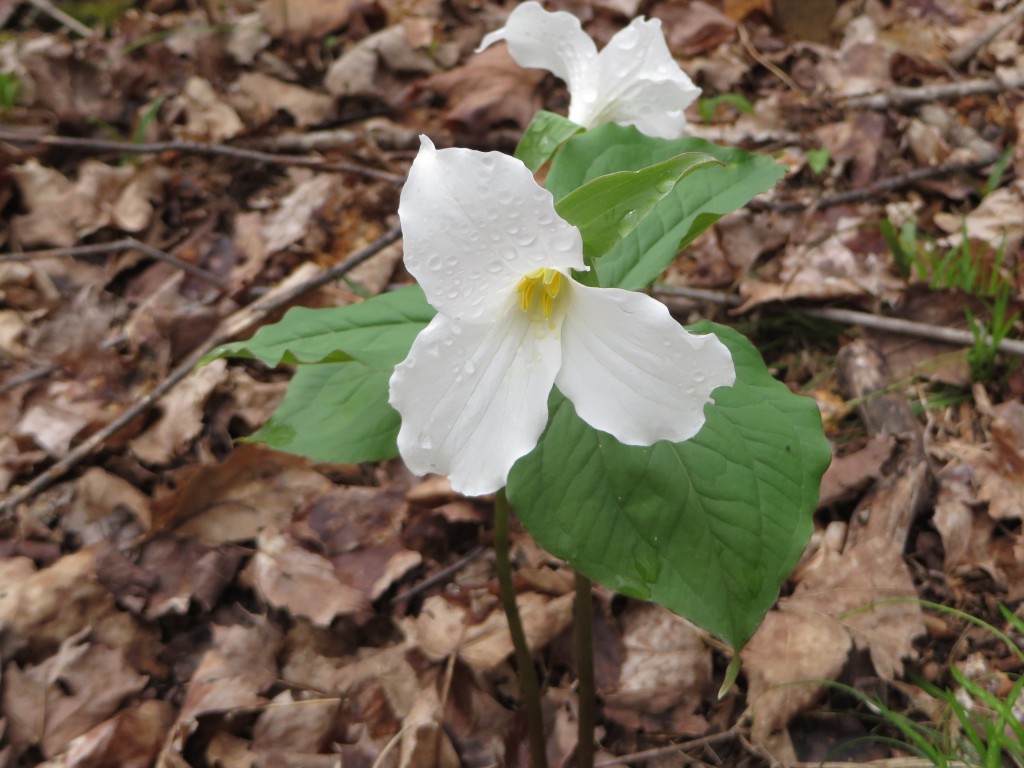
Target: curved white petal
x=635 y=81
x=552 y=41
x=474 y=397
x=473 y=224
x=631 y=370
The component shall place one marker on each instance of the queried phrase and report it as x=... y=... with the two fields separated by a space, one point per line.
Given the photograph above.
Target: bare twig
x=757 y=56
x=964 y=53
x=389 y=137
x=441 y=576
x=671 y=749
x=231 y=326
x=881 y=187
x=927 y=94
x=60 y=17
x=952 y=336
x=127 y=243
x=15 y=136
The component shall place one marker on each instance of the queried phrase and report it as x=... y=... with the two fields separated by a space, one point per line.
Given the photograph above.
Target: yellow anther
x=549 y=281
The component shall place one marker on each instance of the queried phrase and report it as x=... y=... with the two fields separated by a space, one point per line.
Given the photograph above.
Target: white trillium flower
x=633 y=81
x=493 y=258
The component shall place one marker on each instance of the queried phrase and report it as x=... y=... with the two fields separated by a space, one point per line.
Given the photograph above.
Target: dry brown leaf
x=182 y=571
x=489 y=90
x=132 y=737
x=356 y=73
x=443 y=628
x=207 y=116
x=666 y=664
x=790 y=647
x=61 y=212
x=291 y=221
x=39 y=610
x=294 y=725
x=966 y=531
x=54 y=702
x=695 y=28
x=181 y=418
x=99 y=496
x=849 y=475
x=254 y=488
x=871 y=572
x=268 y=95
x=232 y=674
x=301 y=582
x=301 y=19
x=424 y=742
x=998 y=221
x=51 y=427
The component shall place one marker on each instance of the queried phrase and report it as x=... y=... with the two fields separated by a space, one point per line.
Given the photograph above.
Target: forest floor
x=173 y=176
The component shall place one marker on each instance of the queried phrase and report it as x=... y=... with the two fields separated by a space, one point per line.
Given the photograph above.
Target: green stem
x=524 y=661
x=586 y=690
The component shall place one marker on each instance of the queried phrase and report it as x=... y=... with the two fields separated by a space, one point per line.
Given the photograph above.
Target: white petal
x=474 y=223
x=473 y=397
x=552 y=41
x=635 y=81
x=631 y=370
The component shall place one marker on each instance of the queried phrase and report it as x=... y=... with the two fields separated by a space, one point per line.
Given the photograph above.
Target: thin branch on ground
x=440 y=577
x=881 y=187
x=242 y=320
x=757 y=56
x=672 y=749
x=127 y=243
x=386 y=136
x=966 y=52
x=60 y=17
x=881 y=323
x=15 y=136
x=900 y=98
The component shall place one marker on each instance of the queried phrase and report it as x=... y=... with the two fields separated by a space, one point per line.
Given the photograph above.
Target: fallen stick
x=127 y=243
x=953 y=336
x=926 y=94
x=230 y=327
x=891 y=184
x=15 y=136
x=964 y=53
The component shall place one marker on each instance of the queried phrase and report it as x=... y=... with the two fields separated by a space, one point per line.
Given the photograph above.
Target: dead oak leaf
x=301 y=582
x=54 y=702
x=267 y=95
x=132 y=737
x=489 y=90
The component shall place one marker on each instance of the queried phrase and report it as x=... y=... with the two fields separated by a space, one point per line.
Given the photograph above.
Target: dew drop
x=470 y=368
x=452 y=294
x=434 y=263
x=458 y=379
x=494 y=267
x=627 y=39
x=474 y=274
x=425 y=442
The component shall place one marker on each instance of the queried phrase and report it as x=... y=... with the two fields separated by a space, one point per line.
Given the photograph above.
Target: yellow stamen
x=550 y=283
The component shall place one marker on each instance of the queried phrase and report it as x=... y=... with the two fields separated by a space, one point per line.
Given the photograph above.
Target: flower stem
x=586 y=690
x=524 y=661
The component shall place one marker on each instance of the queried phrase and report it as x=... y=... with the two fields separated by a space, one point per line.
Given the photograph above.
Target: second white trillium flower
x=494 y=259
x=633 y=80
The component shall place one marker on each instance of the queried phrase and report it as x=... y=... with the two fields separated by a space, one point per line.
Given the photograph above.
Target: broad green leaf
x=544 y=135
x=377 y=332
x=610 y=207
x=693 y=206
x=708 y=528
x=335 y=412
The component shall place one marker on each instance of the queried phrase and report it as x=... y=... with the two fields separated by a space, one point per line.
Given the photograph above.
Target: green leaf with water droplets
x=544 y=135
x=608 y=208
x=637 y=259
x=334 y=412
x=709 y=527
x=377 y=332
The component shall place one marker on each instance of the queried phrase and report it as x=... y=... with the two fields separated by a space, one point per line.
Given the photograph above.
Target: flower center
x=539 y=288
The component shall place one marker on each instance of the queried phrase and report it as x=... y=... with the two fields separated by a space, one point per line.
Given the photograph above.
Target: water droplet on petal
x=470 y=368
x=458 y=379
x=494 y=267
x=425 y=442
x=434 y=263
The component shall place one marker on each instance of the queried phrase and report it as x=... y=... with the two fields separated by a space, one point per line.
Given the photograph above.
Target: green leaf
x=377 y=332
x=610 y=207
x=708 y=107
x=544 y=135
x=708 y=528
x=637 y=260
x=335 y=412
x=818 y=160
